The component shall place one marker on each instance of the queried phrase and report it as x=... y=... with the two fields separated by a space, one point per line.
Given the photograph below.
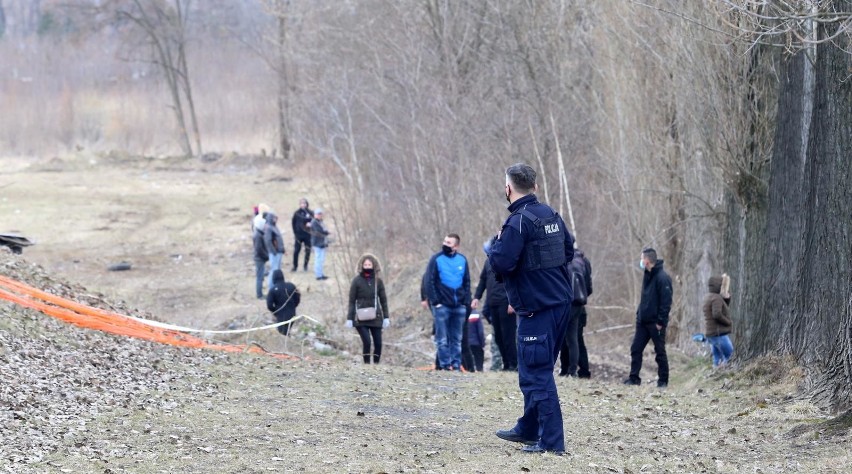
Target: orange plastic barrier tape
x=106 y=321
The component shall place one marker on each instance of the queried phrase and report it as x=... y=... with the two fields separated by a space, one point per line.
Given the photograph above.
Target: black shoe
x=661 y=384
x=536 y=448
x=512 y=435
x=322 y=277
x=584 y=376
x=631 y=381
x=305 y=268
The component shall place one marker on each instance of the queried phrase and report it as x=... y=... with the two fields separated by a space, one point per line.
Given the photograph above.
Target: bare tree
x=160 y=27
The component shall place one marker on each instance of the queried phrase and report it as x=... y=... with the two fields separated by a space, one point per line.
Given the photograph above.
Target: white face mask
x=642 y=263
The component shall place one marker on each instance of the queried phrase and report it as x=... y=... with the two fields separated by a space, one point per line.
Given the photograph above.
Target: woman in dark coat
x=368 y=291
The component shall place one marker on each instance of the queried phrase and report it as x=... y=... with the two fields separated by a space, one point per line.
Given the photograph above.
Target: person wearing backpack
x=573 y=353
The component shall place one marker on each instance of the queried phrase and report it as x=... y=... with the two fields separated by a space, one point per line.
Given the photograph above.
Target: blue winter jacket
x=447 y=280
x=530 y=290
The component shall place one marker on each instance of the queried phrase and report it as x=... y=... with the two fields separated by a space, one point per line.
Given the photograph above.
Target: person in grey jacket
x=368 y=291
x=319 y=241
x=261 y=256
x=274 y=243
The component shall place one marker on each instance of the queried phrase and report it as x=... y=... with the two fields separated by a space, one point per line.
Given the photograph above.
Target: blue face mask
x=642 y=263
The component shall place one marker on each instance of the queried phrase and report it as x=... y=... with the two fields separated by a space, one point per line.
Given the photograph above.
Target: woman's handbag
x=368 y=314
x=365 y=314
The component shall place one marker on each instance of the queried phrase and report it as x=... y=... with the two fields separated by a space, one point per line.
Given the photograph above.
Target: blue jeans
x=319 y=261
x=722 y=349
x=259 y=266
x=449 y=323
x=274 y=264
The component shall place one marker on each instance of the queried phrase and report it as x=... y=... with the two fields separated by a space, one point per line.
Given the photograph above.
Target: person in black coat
x=500 y=314
x=573 y=353
x=652 y=318
x=368 y=291
x=302 y=232
x=282 y=300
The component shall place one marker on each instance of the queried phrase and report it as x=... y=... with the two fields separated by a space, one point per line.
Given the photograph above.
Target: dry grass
x=184 y=226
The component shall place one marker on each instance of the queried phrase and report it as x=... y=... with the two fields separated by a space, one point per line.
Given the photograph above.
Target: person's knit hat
x=318 y=211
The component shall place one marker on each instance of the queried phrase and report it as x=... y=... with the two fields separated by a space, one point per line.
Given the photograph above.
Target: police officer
x=531 y=254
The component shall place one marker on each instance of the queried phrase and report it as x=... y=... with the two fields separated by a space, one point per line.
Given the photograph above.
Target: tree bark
x=803 y=306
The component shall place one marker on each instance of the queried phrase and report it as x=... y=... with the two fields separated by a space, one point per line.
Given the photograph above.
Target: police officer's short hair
x=650 y=253
x=456 y=237
x=522 y=176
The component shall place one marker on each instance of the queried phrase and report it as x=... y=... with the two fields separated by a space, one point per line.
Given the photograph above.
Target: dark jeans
x=260 y=268
x=306 y=240
x=645 y=333
x=376 y=333
x=583 y=370
x=478 y=357
x=569 y=356
x=505 y=334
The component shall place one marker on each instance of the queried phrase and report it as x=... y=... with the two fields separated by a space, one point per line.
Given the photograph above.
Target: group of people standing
x=309 y=232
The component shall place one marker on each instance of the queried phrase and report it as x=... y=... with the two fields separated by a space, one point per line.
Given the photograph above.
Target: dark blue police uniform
x=531 y=255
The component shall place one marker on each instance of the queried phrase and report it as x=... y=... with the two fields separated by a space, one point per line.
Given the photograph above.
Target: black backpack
x=578 y=284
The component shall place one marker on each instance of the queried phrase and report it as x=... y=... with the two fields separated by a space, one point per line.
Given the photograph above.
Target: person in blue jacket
x=447 y=284
x=531 y=255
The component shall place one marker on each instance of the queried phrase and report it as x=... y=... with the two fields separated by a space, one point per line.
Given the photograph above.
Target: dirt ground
x=73 y=400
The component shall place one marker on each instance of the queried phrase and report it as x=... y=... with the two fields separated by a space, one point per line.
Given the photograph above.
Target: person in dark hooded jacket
x=652 y=318
x=261 y=256
x=282 y=300
x=368 y=291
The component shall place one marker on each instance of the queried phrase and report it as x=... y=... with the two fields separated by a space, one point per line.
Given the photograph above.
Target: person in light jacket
x=368 y=291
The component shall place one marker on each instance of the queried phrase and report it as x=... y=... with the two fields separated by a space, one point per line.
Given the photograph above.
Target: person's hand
x=510 y=310
x=385 y=323
x=659 y=327
x=424 y=304
x=349 y=323
x=475 y=303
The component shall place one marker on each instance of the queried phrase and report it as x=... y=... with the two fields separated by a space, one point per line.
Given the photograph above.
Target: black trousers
x=569 y=355
x=478 y=357
x=301 y=239
x=466 y=355
x=505 y=334
x=645 y=333
x=366 y=333
x=583 y=362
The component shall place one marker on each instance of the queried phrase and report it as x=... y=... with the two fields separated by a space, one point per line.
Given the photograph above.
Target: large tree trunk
x=803 y=306
x=822 y=329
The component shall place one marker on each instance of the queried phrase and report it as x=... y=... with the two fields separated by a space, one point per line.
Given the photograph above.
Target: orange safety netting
x=107 y=321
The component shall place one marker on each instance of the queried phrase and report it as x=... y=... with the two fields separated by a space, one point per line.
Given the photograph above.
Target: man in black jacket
x=302 y=232
x=497 y=308
x=652 y=317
